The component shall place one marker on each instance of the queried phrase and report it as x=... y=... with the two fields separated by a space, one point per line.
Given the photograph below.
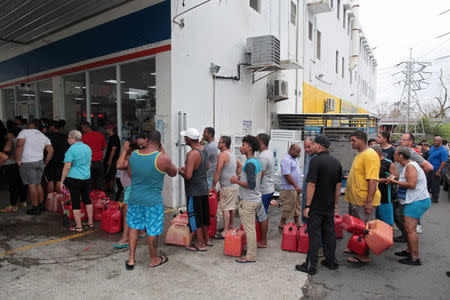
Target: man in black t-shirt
x=53 y=171
x=111 y=155
x=387 y=149
x=322 y=196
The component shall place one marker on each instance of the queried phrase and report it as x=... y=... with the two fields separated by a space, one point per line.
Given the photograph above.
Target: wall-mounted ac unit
x=319 y=6
x=329 y=105
x=264 y=50
x=278 y=90
x=286 y=135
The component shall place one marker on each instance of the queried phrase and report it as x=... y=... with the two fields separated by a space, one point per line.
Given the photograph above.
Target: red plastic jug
x=51 y=204
x=234 y=243
x=289 y=241
x=98 y=205
x=69 y=212
x=353 y=224
x=337 y=226
x=258 y=231
x=178 y=234
x=303 y=240
x=357 y=244
x=180 y=219
x=379 y=236
x=111 y=219
x=96 y=194
x=212 y=229
x=212 y=204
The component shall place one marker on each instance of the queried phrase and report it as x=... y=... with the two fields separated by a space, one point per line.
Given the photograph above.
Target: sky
x=392 y=27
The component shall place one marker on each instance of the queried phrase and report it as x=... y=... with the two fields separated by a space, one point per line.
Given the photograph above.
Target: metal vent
x=264 y=50
x=285 y=135
x=319 y=6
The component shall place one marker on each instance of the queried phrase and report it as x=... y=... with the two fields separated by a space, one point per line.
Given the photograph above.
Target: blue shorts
x=417 y=209
x=266 y=198
x=150 y=218
x=126 y=194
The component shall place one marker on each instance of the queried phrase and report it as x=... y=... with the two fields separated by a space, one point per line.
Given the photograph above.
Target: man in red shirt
x=96 y=141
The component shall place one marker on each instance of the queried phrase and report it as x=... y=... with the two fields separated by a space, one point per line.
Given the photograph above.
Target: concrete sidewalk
x=65 y=269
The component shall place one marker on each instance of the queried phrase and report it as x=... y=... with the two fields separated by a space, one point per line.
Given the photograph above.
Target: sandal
x=164 y=259
x=120 y=245
x=209 y=244
x=244 y=260
x=358 y=260
x=348 y=251
x=218 y=236
x=89 y=226
x=129 y=267
x=194 y=247
x=76 y=229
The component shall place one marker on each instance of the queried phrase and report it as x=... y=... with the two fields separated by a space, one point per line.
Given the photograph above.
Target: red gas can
x=357 y=244
x=111 y=219
x=303 y=240
x=212 y=226
x=289 y=241
x=178 y=234
x=98 y=205
x=258 y=231
x=337 y=226
x=379 y=236
x=212 y=204
x=96 y=194
x=234 y=242
x=353 y=224
x=69 y=212
x=51 y=204
x=180 y=219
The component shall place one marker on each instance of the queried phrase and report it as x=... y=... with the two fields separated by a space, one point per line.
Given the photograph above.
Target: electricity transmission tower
x=414 y=79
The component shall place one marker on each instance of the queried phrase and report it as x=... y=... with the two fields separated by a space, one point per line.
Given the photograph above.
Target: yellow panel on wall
x=314 y=100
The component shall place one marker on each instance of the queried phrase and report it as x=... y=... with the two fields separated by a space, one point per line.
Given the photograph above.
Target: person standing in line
x=309 y=156
x=438 y=157
x=425 y=150
x=76 y=174
x=227 y=165
x=250 y=193
x=267 y=161
x=322 y=197
x=211 y=151
x=147 y=168
x=387 y=149
x=196 y=188
x=414 y=194
x=96 y=141
x=362 y=192
x=17 y=191
x=111 y=156
x=54 y=169
x=29 y=157
x=290 y=187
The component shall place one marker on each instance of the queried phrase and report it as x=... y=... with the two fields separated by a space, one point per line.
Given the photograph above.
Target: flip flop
x=129 y=267
x=358 y=261
x=218 y=236
x=241 y=260
x=209 y=244
x=194 y=248
x=120 y=245
x=76 y=229
x=164 y=259
x=348 y=251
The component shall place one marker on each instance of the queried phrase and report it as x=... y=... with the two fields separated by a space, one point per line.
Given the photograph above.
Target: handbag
x=385 y=212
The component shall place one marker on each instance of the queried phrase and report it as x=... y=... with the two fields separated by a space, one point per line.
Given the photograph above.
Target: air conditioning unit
x=278 y=90
x=319 y=6
x=286 y=135
x=329 y=105
x=264 y=50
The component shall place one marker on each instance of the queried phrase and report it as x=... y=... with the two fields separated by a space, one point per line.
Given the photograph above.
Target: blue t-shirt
x=147 y=181
x=437 y=156
x=289 y=165
x=79 y=154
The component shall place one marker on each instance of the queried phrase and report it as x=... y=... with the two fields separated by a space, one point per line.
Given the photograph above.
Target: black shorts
x=79 y=190
x=198 y=212
x=53 y=172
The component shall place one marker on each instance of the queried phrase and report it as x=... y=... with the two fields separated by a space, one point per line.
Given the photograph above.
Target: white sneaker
x=419 y=229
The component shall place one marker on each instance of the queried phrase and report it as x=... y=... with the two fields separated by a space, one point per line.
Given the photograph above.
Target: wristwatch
x=307 y=206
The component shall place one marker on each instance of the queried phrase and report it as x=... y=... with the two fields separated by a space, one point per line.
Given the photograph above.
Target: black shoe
x=400 y=239
x=129 y=267
x=448 y=273
x=304 y=269
x=325 y=263
x=34 y=211
x=41 y=206
x=410 y=261
x=403 y=253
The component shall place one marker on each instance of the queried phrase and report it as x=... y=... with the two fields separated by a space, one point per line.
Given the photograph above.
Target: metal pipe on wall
x=88 y=97
x=119 y=101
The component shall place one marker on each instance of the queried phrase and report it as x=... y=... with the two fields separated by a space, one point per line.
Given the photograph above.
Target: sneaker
x=419 y=229
x=400 y=239
x=403 y=253
x=326 y=264
x=410 y=261
x=34 y=211
x=9 y=209
x=304 y=269
x=41 y=206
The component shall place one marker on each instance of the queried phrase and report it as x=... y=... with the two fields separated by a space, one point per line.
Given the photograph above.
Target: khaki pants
x=247 y=211
x=291 y=204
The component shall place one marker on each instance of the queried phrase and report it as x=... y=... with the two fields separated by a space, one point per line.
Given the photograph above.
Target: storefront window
x=103 y=98
x=46 y=99
x=138 y=96
x=8 y=103
x=75 y=100
x=26 y=101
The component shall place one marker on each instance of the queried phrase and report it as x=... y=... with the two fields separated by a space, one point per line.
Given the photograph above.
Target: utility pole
x=413 y=81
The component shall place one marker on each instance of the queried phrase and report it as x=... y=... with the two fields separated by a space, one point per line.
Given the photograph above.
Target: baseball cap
x=322 y=140
x=191 y=133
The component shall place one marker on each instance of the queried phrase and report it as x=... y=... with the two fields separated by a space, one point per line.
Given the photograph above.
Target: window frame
x=318 y=44
x=293 y=16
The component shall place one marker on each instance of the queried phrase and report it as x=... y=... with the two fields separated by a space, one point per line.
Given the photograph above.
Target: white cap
x=191 y=133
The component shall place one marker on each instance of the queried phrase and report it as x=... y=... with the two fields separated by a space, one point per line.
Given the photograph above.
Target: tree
x=439 y=109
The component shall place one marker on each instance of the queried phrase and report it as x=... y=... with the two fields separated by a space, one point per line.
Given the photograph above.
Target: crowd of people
x=384 y=181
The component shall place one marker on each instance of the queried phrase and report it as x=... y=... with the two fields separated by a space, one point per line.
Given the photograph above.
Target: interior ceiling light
x=152 y=86
x=131 y=93
x=113 y=81
x=28 y=95
x=48 y=92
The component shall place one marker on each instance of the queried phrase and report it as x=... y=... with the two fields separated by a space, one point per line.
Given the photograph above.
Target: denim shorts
x=417 y=209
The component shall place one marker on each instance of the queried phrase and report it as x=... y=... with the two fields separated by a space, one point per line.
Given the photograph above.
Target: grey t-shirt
x=414 y=156
x=267 y=161
x=212 y=153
